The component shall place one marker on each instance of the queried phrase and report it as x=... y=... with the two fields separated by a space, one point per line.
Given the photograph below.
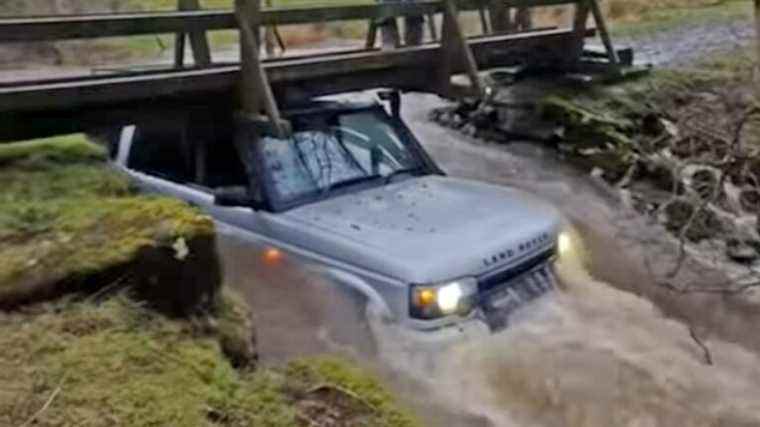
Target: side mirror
x=235 y=197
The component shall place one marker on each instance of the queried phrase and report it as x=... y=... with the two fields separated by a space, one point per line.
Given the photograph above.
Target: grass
x=103 y=359
x=652 y=19
x=65 y=215
x=117 y=363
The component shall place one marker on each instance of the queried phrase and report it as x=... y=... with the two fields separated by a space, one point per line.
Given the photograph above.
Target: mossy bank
x=113 y=313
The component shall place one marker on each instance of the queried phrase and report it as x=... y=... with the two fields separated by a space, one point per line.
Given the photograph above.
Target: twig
x=342 y=390
x=731 y=153
x=47 y=404
x=120 y=283
x=705 y=350
x=161 y=45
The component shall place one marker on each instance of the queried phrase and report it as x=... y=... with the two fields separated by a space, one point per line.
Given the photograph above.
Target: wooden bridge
x=259 y=86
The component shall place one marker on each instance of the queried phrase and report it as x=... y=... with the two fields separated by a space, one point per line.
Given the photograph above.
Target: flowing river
x=607 y=349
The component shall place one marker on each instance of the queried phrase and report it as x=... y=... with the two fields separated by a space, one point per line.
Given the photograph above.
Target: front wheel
x=347 y=325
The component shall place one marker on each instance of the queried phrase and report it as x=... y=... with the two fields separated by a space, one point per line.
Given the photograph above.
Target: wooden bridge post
x=501 y=20
x=198 y=40
x=583 y=9
x=454 y=46
x=604 y=33
x=256 y=93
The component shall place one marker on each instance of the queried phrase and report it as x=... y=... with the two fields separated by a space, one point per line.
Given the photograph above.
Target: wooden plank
x=455 y=49
x=49 y=28
x=580 y=24
x=198 y=40
x=256 y=90
x=499 y=14
x=112 y=25
x=604 y=34
x=179 y=50
x=318 y=75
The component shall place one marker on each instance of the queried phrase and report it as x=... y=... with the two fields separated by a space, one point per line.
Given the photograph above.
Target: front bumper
x=480 y=323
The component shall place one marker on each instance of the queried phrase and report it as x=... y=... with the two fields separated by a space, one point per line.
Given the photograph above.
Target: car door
x=166 y=160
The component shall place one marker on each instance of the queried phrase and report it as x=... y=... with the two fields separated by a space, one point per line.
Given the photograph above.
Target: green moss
x=70 y=148
x=304 y=374
x=101 y=361
x=610 y=127
x=65 y=214
x=118 y=363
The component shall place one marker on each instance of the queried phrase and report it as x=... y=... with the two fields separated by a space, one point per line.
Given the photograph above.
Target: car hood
x=428 y=229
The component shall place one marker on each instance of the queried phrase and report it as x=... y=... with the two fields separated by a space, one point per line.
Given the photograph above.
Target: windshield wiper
x=390 y=176
x=352 y=181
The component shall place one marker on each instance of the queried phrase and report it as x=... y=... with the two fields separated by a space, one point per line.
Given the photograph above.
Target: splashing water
x=589 y=356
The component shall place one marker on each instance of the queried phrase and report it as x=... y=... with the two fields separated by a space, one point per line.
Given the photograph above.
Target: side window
x=162 y=152
x=223 y=165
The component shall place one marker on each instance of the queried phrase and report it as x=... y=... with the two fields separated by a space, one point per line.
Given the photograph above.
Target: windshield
x=327 y=152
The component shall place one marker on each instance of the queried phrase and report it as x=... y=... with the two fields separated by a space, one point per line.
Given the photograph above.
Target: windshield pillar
x=247 y=143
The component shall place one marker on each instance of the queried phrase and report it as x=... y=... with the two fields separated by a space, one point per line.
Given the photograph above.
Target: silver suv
x=353 y=193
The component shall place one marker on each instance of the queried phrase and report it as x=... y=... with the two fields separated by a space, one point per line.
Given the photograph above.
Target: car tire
x=347 y=326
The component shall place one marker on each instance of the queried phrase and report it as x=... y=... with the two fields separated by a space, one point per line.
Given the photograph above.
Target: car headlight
x=564 y=243
x=455 y=297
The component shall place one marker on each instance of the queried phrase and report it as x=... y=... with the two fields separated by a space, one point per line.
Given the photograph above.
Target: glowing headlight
x=430 y=302
x=564 y=243
x=449 y=297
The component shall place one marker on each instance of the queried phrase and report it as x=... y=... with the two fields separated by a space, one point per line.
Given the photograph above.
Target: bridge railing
x=429 y=67
x=63 y=27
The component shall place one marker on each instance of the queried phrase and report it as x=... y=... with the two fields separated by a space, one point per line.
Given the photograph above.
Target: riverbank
x=115 y=313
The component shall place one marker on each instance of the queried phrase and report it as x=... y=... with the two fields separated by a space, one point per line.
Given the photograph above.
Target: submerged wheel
x=347 y=324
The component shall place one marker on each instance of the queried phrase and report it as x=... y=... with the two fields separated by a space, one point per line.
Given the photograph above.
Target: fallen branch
x=342 y=390
x=47 y=404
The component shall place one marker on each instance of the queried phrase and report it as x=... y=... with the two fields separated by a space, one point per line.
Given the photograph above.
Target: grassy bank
x=86 y=339
x=117 y=363
x=640 y=19
x=65 y=218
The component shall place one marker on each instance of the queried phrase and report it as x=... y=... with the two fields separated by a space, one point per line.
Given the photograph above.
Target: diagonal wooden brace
x=454 y=47
x=583 y=8
x=256 y=92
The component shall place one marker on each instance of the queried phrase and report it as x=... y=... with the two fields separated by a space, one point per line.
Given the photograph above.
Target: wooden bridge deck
x=40 y=108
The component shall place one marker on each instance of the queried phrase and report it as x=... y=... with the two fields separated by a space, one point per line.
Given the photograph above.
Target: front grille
x=497 y=279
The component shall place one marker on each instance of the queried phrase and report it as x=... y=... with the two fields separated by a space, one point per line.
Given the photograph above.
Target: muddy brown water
x=609 y=349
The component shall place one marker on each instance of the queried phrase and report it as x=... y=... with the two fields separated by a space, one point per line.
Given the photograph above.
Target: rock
x=469 y=130
x=703 y=182
x=741 y=252
x=485 y=118
x=467 y=106
x=675 y=215
x=654 y=125
x=456 y=121
x=661 y=170
x=750 y=200
x=614 y=163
